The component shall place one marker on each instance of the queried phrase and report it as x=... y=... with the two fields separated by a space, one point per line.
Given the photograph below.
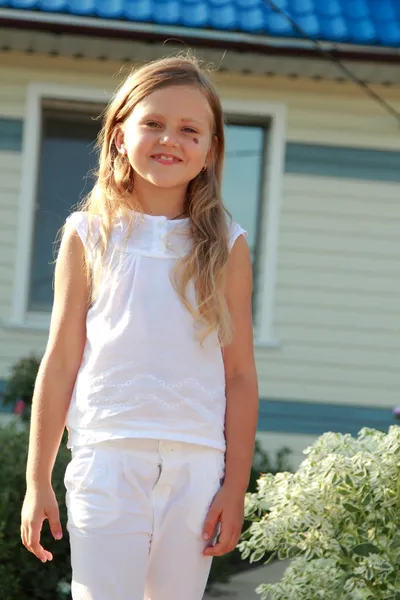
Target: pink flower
x=19 y=407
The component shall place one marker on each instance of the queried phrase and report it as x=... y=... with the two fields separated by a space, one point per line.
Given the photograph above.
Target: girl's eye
x=189 y=130
x=153 y=124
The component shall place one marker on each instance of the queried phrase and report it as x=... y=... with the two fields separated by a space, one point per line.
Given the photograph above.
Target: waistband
x=149 y=445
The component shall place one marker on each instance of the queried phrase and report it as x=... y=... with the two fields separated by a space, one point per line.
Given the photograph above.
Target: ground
x=243 y=586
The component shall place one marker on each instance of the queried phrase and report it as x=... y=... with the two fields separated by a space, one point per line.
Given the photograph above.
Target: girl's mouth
x=166 y=159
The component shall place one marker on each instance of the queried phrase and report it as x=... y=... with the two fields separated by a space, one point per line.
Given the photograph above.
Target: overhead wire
x=327 y=54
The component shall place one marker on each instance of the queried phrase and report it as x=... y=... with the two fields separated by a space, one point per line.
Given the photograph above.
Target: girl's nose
x=168 y=140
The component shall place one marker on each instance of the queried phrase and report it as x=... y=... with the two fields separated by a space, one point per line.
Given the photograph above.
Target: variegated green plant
x=337 y=517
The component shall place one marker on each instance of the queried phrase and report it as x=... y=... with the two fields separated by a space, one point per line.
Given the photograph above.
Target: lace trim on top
x=100 y=392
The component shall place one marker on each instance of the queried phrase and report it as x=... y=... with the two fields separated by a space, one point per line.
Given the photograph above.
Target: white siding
x=337 y=313
x=337 y=316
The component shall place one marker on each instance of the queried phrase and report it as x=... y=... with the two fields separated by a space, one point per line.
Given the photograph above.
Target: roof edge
x=239 y=41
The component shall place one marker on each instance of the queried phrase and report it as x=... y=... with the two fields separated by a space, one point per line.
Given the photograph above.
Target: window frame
x=272 y=115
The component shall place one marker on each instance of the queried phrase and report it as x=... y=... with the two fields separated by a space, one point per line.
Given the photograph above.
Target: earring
x=122 y=150
x=204 y=168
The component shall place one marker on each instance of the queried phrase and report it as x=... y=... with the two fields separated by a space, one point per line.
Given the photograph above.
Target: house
x=312 y=172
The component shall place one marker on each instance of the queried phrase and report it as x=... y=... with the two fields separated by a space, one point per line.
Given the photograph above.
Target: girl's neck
x=170 y=202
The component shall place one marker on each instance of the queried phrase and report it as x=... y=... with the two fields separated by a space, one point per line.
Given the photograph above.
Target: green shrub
x=337 y=517
x=22 y=575
x=21 y=383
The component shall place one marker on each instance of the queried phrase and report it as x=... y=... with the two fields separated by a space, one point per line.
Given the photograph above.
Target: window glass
x=66 y=161
x=243 y=175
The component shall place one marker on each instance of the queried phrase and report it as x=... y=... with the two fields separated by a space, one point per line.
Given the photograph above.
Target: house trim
x=30 y=157
x=62 y=22
x=315 y=418
x=133 y=46
x=274 y=114
x=345 y=162
x=10 y=134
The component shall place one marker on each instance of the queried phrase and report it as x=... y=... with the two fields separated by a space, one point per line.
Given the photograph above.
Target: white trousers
x=136 y=509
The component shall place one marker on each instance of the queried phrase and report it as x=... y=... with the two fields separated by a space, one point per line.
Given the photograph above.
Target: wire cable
x=329 y=56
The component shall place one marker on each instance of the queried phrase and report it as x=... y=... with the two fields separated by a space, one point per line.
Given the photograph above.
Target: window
x=243 y=177
x=67 y=159
x=60 y=129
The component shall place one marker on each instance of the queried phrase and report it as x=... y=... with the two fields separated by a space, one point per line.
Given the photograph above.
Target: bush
x=20 y=385
x=338 y=517
x=22 y=575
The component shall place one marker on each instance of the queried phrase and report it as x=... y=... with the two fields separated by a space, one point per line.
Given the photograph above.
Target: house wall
x=336 y=316
x=338 y=290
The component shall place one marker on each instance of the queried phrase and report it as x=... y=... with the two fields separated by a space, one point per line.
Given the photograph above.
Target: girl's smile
x=166 y=159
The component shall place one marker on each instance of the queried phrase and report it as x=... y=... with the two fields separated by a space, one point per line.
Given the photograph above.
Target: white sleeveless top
x=144 y=373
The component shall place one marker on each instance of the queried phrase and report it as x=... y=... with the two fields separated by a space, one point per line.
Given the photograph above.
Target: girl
x=151 y=336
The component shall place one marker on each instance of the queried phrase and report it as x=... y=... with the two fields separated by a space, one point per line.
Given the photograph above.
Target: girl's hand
x=38 y=506
x=228 y=510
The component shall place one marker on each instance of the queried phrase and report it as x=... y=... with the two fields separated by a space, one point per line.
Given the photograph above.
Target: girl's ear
x=119 y=141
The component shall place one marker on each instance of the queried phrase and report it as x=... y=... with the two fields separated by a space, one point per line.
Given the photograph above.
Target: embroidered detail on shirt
x=99 y=391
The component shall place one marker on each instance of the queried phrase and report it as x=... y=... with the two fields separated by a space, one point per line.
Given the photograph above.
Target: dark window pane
x=67 y=157
x=243 y=174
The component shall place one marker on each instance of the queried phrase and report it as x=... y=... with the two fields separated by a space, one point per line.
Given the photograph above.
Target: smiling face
x=168 y=136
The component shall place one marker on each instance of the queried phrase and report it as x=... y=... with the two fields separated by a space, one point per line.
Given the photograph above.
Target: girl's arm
x=53 y=390
x=242 y=405
x=240 y=372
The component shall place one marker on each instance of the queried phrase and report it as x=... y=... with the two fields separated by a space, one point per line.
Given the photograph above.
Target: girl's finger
x=221 y=547
x=34 y=545
x=211 y=523
x=40 y=552
x=53 y=517
x=23 y=536
x=218 y=550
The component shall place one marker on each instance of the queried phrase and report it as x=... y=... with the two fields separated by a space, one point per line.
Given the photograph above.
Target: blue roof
x=369 y=22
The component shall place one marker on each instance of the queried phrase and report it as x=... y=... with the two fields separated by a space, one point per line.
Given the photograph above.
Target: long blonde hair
x=206 y=263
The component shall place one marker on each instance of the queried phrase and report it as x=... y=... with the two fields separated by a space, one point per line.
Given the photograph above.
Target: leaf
x=293 y=552
x=344 y=491
x=348 y=480
x=395 y=544
x=343 y=581
x=365 y=549
x=257 y=555
x=351 y=507
x=366 y=500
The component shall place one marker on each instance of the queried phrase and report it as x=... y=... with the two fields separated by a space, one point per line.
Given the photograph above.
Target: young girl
x=149 y=360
